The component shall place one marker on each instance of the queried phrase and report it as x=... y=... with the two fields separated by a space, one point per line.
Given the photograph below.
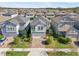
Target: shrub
x=63 y=40
x=49 y=40
x=16 y=40
x=27 y=40
x=26 y=33
x=60 y=53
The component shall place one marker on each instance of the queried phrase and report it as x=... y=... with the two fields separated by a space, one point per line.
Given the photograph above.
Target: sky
x=39 y=4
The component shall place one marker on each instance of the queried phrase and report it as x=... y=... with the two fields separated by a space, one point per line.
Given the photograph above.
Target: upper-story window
x=10 y=28
x=40 y=28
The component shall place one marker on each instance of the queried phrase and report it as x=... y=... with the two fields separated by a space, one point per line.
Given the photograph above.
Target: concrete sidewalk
x=36 y=51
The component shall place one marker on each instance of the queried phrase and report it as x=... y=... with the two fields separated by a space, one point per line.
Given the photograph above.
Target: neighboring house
x=65 y=26
x=29 y=15
x=59 y=21
x=76 y=24
x=60 y=14
x=39 y=14
x=9 y=14
x=50 y=15
x=68 y=31
x=72 y=33
x=12 y=26
x=73 y=15
x=2 y=20
x=39 y=26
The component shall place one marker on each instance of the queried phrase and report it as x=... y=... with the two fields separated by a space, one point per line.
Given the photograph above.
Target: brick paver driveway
x=37 y=42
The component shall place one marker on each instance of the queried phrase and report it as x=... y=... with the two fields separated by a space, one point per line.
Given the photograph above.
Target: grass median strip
x=60 y=53
x=16 y=53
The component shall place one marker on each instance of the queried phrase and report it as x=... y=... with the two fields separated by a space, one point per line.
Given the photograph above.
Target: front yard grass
x=62 y=53
x=55 y=44
x=16 y=53
x=21 y=43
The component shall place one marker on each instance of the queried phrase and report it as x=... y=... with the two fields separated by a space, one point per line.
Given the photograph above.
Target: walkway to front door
x=37 y=42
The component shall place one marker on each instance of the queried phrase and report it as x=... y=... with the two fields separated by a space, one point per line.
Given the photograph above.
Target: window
x=40 y=28
x=33 y=28
x=10 y=28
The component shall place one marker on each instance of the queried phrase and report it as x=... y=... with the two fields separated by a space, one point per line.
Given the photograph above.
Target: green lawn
x=55 y=44
x=19 y=43
x=16 y=53
x=62 y=53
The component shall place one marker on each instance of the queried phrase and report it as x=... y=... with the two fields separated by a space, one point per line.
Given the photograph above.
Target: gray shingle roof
x=19 y=20
x=40 y=18
x=8 y=14
x=65 y=28
x=65 y=18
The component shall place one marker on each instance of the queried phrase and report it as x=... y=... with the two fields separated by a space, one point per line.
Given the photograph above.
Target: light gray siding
x=38 y=33
x=8 y=33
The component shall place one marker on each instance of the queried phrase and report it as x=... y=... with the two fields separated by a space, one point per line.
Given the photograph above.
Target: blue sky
x=39 y=4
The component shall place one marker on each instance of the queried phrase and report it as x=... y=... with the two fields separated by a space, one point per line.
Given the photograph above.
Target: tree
x=25 y=34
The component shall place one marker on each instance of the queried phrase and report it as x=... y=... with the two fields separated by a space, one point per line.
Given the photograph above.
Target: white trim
x=17 y=29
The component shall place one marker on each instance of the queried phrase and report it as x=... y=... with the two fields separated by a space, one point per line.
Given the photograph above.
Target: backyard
x=16 y=53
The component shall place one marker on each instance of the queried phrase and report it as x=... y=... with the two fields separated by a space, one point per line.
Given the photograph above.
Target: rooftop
x=19 y=20
x=3 y=18
x=64 y=28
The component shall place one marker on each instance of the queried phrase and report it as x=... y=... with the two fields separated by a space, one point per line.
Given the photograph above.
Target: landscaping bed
x=20 y=43
x=23 y=39
x=53 y=43
x=62 y=53
x=16 y=53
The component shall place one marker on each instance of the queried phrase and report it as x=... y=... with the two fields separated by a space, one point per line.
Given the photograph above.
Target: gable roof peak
x=40 y=18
